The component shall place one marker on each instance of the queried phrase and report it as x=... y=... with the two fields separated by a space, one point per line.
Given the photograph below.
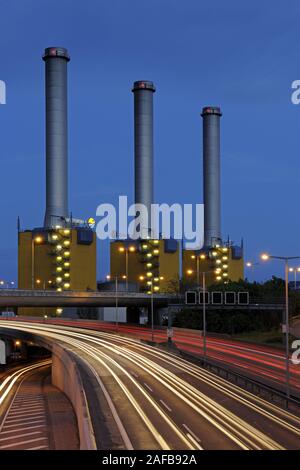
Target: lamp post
x=294 y=270
x=33 y=242
x=251 y=265
x=38 y=281
x=152 y=313
x=198 y=258
x=126 y=250
x=190 y=272
x=286 y=260
x=9 y=284
x=204 y=315
x=108 y=277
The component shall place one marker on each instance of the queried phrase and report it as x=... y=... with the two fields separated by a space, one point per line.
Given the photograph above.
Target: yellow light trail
x=183 y=389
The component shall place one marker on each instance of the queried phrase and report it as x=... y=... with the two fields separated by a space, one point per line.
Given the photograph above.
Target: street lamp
x=294 y=270
x=126 y=250
x=152 y=311
x=286 y=259
x=204 y=315
x=190 y=272
x=8 y=284
x=251 y=265
x=108 y=277
x=35 y=240
x=198 y=257
x=39 y=282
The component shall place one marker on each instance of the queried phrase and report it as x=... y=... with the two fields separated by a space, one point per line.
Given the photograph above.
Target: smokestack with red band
x=56 y=59
x=211 y=174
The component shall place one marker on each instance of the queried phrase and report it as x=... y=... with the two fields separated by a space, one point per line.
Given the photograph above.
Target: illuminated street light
x=251 y=264
x=295 y=270
x=127 y=250
x=286 y=260
x=197 y=257
x=35 y=241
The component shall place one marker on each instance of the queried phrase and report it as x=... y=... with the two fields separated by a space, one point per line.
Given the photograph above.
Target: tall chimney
x=143 y=144
x=56 y=59
x=211 y=174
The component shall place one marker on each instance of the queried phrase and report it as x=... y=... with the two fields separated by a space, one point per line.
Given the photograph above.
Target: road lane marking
x=191 y=432
x=6 y=446
x=32 y=416
x=28 y=404
x=165 y=405
x=23 y=429
x=149 y=388
x=41 y=415
x=27 y=407
x=20 y=435
x=25 y=413
x=194 y=442
x=40 y=420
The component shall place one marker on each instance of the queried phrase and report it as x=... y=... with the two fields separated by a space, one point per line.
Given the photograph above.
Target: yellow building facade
x=221 y=264
x=59 y=259
x=151 y=264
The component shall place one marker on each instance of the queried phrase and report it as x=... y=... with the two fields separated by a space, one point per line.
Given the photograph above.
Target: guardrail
x=76 y=293
x=254 y=386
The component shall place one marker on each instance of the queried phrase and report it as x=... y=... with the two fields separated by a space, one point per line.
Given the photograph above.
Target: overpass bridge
x=45 y=298
x=41 y=298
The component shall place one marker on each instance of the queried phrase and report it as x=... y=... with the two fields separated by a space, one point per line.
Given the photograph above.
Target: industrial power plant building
x=61 y=255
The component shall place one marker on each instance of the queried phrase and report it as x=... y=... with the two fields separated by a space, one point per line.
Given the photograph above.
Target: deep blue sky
x=241 y=57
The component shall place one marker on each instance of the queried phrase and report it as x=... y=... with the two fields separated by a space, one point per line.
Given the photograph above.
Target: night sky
x=240 y=57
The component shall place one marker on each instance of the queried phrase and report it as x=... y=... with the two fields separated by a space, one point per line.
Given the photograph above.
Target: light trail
x=225 y=421
x=10 y=381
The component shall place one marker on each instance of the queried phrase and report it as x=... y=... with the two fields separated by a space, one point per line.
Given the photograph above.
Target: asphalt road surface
x=160 y=401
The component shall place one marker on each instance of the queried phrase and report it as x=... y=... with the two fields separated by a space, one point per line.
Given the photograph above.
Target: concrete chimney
x=211 y=174
x=56 y=59
x=143 y=143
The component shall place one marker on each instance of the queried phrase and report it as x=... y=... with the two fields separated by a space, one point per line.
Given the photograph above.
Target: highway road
x=157 y=400
x=34 y=415
x=255 y=361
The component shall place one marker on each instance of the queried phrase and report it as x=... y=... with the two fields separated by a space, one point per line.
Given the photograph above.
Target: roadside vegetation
x=259 y=326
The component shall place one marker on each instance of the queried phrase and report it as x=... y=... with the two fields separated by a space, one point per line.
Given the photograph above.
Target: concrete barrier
x=66 y=377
